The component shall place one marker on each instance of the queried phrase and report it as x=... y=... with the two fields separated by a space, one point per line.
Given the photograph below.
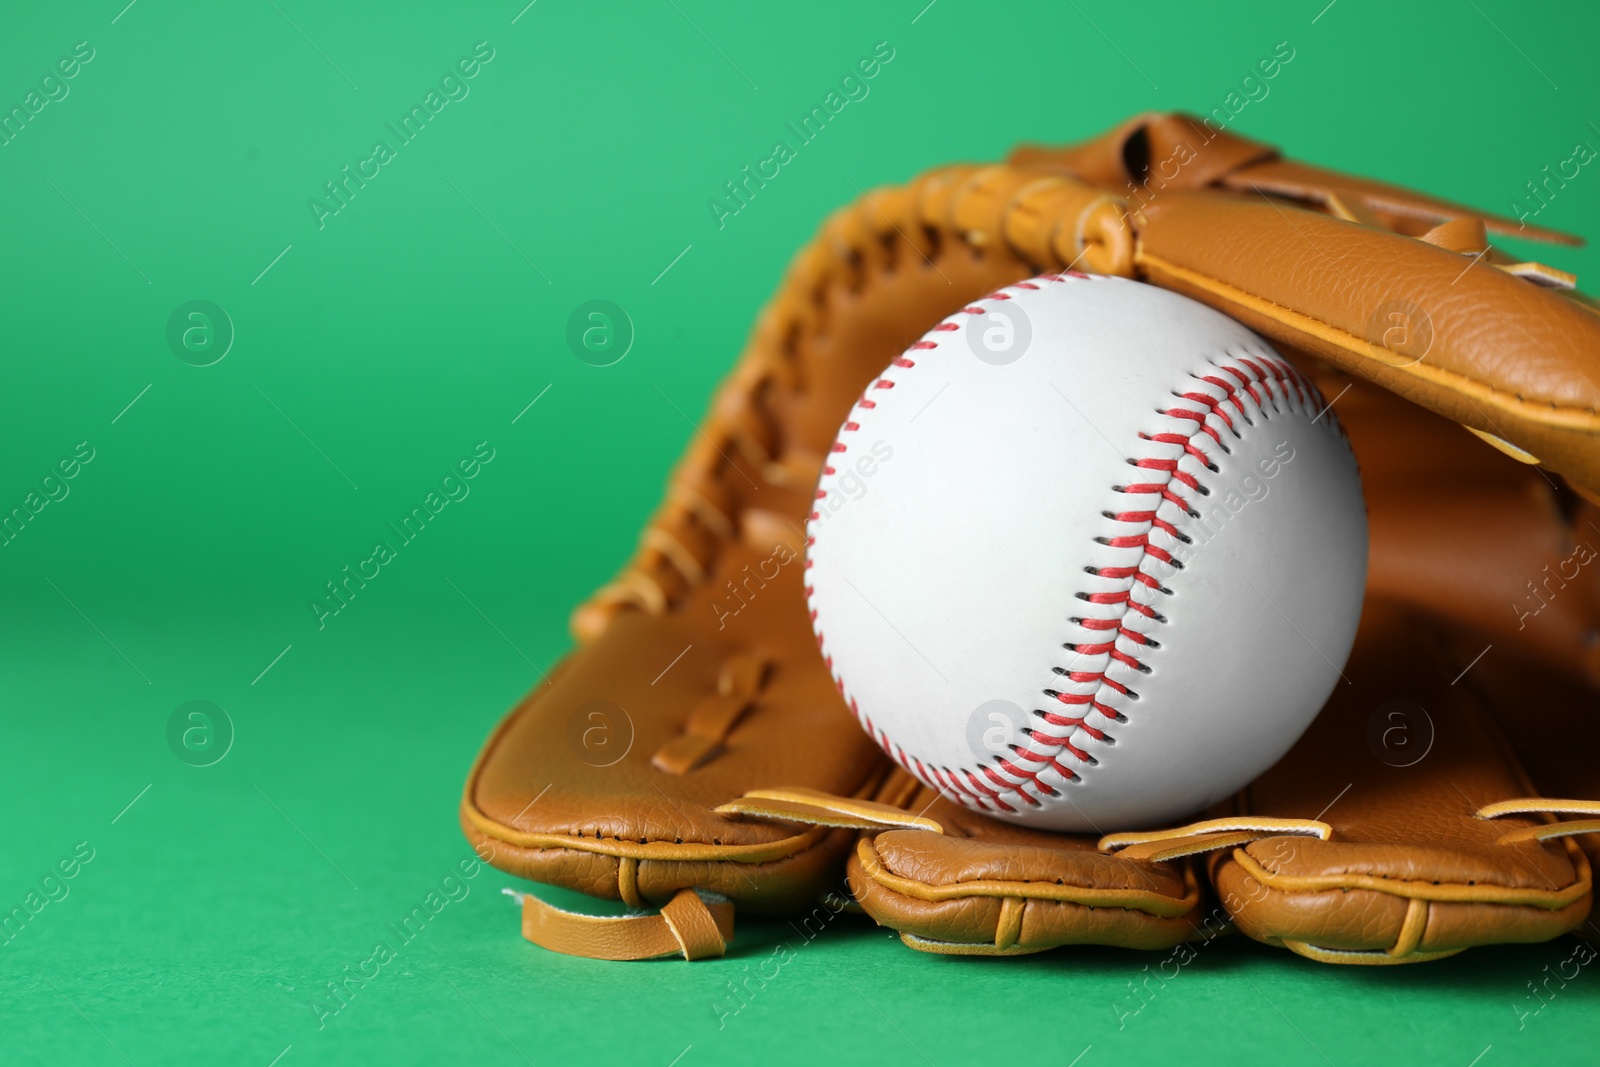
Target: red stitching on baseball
x=1259 y=377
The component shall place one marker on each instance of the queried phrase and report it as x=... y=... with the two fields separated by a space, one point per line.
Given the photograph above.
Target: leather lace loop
x=1544 y=806
x=1208 y=836
x=738 y=685
x=694 y=924
x=815 y=808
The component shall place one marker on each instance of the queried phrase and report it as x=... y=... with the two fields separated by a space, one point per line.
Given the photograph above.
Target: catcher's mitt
x=747 y=780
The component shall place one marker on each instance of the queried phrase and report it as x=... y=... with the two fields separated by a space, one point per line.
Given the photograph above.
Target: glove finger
x=1400 y=763
x=990 y=888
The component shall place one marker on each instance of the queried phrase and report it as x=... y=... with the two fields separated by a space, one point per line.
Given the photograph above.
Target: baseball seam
x=1269 y=383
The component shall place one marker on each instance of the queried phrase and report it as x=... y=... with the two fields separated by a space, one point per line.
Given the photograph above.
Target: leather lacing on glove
x=1216 y=834
x=706 y=504
x=697 y=924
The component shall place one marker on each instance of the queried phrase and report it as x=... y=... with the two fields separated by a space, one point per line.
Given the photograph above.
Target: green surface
x=381 y=348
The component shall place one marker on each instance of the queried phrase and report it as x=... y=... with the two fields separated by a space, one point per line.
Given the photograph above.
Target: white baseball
x=1089 y=556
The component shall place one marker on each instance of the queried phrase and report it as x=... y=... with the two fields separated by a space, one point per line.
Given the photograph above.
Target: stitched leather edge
x=1544 y=413
x=1376 y=957
x=692 y=851
x=966 y=948
x=1450 y=892
x=1156 y=904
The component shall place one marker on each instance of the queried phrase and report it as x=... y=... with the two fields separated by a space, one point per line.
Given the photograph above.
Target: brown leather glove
x=1438 y=839
x=694 y=751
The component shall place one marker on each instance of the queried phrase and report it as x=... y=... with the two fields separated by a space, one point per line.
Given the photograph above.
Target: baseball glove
x=742 y=779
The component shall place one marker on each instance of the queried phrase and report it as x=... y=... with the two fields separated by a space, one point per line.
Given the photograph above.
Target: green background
x=373 y=353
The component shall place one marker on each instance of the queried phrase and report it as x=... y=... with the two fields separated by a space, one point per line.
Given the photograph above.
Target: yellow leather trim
x=632 y=588
x=1412 y=928
x=1451 y=382
x=1550 y=831
x=1368 y=958
x=1156 y=904
x=1350 y=209
x=1547 y=807
x=759 y=852
x=1177 y=848
x=958 y=948
x=1208 y=836
x=693 y=496
x=1418 y=890
x=824 y=809
x=1008 y=929
x=1540 y=274
x=689 y=925
x=628 y=882
x=693 y=571
x=1538 y=805
x=1500 y=444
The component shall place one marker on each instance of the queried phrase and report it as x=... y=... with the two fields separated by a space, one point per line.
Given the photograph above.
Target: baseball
x=1089 y=556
